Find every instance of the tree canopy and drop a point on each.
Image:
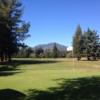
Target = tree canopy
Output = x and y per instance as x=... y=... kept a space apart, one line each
x=13 y=30
x=86 y=44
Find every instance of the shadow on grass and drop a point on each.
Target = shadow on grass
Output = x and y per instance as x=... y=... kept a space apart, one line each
x=27 y=62
x=16 y=63
x=6 y=70
x=9 y=94
x=11 y=68
x=74 y=89
x=4 y=73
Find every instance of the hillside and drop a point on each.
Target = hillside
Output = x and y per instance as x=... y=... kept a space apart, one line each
x=50 y=46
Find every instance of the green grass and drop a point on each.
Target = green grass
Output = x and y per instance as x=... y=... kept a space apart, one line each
x=42 y=74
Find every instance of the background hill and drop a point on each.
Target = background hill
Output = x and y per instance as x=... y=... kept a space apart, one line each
x=50 y=46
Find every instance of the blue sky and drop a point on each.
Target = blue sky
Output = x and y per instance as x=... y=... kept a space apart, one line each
x=56 y=20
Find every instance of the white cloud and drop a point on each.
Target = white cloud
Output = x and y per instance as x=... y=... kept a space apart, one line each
x=70 y=48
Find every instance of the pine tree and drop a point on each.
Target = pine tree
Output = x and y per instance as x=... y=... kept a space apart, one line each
x=91 y=47
x=55 y=51
x=39 y=52
x=77 y=43
x=12 y=29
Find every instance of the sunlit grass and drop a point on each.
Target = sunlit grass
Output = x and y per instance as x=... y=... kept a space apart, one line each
x=45 y=75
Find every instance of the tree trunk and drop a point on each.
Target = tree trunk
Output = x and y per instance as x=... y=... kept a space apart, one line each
x=9 y=58
x=88 y=58
x=2 y=57
x=94 y=57
x=78 y=58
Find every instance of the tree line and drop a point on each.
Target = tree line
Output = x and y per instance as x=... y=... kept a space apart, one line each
x=27 y=52
x=86 y=44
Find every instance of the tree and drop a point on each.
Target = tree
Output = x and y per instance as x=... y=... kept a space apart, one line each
x=98 y=51
x=91 y=41
x=39 y=52
x=29 y=51
x=48 y=53
x=24 y=51
x=13 y=30
x=77 y=43
x=55 y=51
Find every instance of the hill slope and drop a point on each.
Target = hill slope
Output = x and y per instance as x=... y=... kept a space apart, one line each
x=50 y=46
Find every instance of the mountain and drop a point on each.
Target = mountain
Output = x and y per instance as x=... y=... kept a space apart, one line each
x=50 y=46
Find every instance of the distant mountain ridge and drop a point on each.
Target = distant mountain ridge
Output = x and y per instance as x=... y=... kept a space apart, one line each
x=50 y=46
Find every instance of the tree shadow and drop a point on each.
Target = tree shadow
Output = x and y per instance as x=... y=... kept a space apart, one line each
x=15 y=63
x=6 y=70
x=73 y=89
x=9 y=94
x=7 y=73
x=11 y=68
x=27 y=62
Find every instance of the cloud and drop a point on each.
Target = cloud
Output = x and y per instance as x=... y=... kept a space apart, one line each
x=70 y=48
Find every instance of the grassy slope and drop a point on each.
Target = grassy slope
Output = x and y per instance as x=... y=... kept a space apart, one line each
x=45 y=75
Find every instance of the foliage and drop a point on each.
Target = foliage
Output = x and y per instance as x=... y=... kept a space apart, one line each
x=24 y=51
x=13 y=30
x=69 y=54
x=39 y=53
x=91 y=47
x=55 y=51
x=77 y=42
x=86 y=44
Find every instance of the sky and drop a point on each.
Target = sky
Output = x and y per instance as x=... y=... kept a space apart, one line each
x=56 y=20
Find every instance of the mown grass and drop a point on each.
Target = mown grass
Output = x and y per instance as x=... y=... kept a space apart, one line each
x=41 y=74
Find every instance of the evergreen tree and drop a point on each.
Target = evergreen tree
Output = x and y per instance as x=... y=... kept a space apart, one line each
x=98 y=51
x=55 y=51
x=77 y=43
x=48 y=53
x=12 y=29
x=91 y=47
x=39 y=52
